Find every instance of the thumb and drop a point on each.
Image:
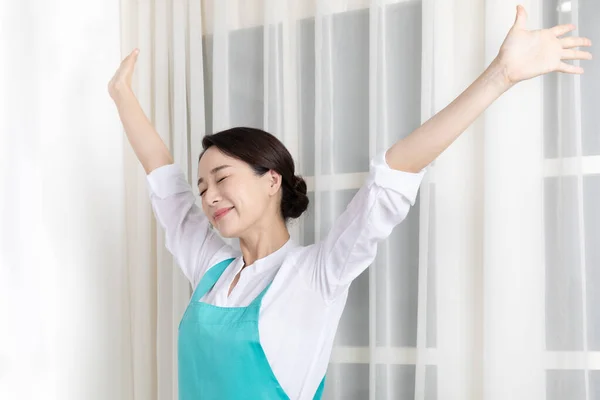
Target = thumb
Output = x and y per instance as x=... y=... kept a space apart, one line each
x=521 y=18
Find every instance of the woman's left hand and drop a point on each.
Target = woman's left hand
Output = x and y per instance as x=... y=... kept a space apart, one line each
x=527 y=54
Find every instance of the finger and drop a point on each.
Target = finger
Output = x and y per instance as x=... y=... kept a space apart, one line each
x=569 y=69
x=133 y=55
x=560 y=30
x=576 y=55
x=129 y=61
x=570 y=42
x=521 y=18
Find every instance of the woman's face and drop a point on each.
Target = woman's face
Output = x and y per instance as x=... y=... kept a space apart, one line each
x=234 y=197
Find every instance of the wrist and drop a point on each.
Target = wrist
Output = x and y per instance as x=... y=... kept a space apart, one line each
x=120 y=91
x=499 y=76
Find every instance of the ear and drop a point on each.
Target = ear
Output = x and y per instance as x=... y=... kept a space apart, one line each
x=274 y=182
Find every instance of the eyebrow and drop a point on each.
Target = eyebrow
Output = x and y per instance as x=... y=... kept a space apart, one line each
x=214 y=171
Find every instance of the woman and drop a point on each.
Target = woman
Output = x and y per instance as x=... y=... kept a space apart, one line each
x=260 y=325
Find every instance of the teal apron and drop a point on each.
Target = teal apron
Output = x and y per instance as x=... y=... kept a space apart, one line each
x=219 y=350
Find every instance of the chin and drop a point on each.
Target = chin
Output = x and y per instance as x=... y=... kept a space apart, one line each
x=228 y=235
x=228 y=231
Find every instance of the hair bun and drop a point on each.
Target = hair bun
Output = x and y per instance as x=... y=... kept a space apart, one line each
x=296 y=200
x=299 y=184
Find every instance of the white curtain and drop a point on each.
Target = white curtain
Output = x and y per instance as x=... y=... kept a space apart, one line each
x=486 y=291
x=64 y=297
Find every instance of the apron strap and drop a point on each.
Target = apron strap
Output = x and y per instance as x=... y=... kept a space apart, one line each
x=210 y=278
x=258 y=300
x=320 y=389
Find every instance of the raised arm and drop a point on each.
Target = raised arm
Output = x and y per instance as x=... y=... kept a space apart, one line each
x=145 y=141
x=523 y=55
x=384 y=201
x=188 y=235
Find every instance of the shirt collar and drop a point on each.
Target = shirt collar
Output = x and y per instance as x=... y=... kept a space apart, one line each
x=272 y=260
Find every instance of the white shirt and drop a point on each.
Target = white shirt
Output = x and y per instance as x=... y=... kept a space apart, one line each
x=300 y=312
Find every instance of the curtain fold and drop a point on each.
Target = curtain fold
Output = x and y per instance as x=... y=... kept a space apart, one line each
x=514 y=271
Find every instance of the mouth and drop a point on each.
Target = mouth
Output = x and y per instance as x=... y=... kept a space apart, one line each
x=221 y=213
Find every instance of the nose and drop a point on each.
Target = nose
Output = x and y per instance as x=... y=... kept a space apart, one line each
x=212 y=196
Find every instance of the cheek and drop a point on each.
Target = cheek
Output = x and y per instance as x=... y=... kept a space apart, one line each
x=248 y=198
x=232 y=193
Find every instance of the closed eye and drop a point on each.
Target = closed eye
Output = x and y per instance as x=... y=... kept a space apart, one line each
x=218 y=181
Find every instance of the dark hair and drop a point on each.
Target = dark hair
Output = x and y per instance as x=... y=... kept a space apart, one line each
x=264 y=152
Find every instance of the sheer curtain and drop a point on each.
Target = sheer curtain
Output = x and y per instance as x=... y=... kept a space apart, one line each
x=64 y=315
x=571 y=197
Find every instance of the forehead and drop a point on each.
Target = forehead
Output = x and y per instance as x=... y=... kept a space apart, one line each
x=212 y=158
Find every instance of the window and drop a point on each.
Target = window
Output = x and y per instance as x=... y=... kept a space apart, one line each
x=572 y=215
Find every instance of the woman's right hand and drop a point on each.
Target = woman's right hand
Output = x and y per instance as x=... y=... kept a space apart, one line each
x=122 y=78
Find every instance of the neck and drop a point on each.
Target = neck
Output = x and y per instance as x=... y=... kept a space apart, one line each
x=263 y=241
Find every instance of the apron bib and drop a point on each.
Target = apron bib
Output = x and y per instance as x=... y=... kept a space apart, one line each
x=219 y=352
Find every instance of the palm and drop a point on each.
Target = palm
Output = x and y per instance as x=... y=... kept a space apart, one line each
x=527 y=54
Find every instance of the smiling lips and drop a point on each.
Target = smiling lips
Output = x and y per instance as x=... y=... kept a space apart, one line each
x=220 y=213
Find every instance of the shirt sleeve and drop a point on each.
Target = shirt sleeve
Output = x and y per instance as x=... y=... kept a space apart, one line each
x=351 y=245
x=188 y=234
